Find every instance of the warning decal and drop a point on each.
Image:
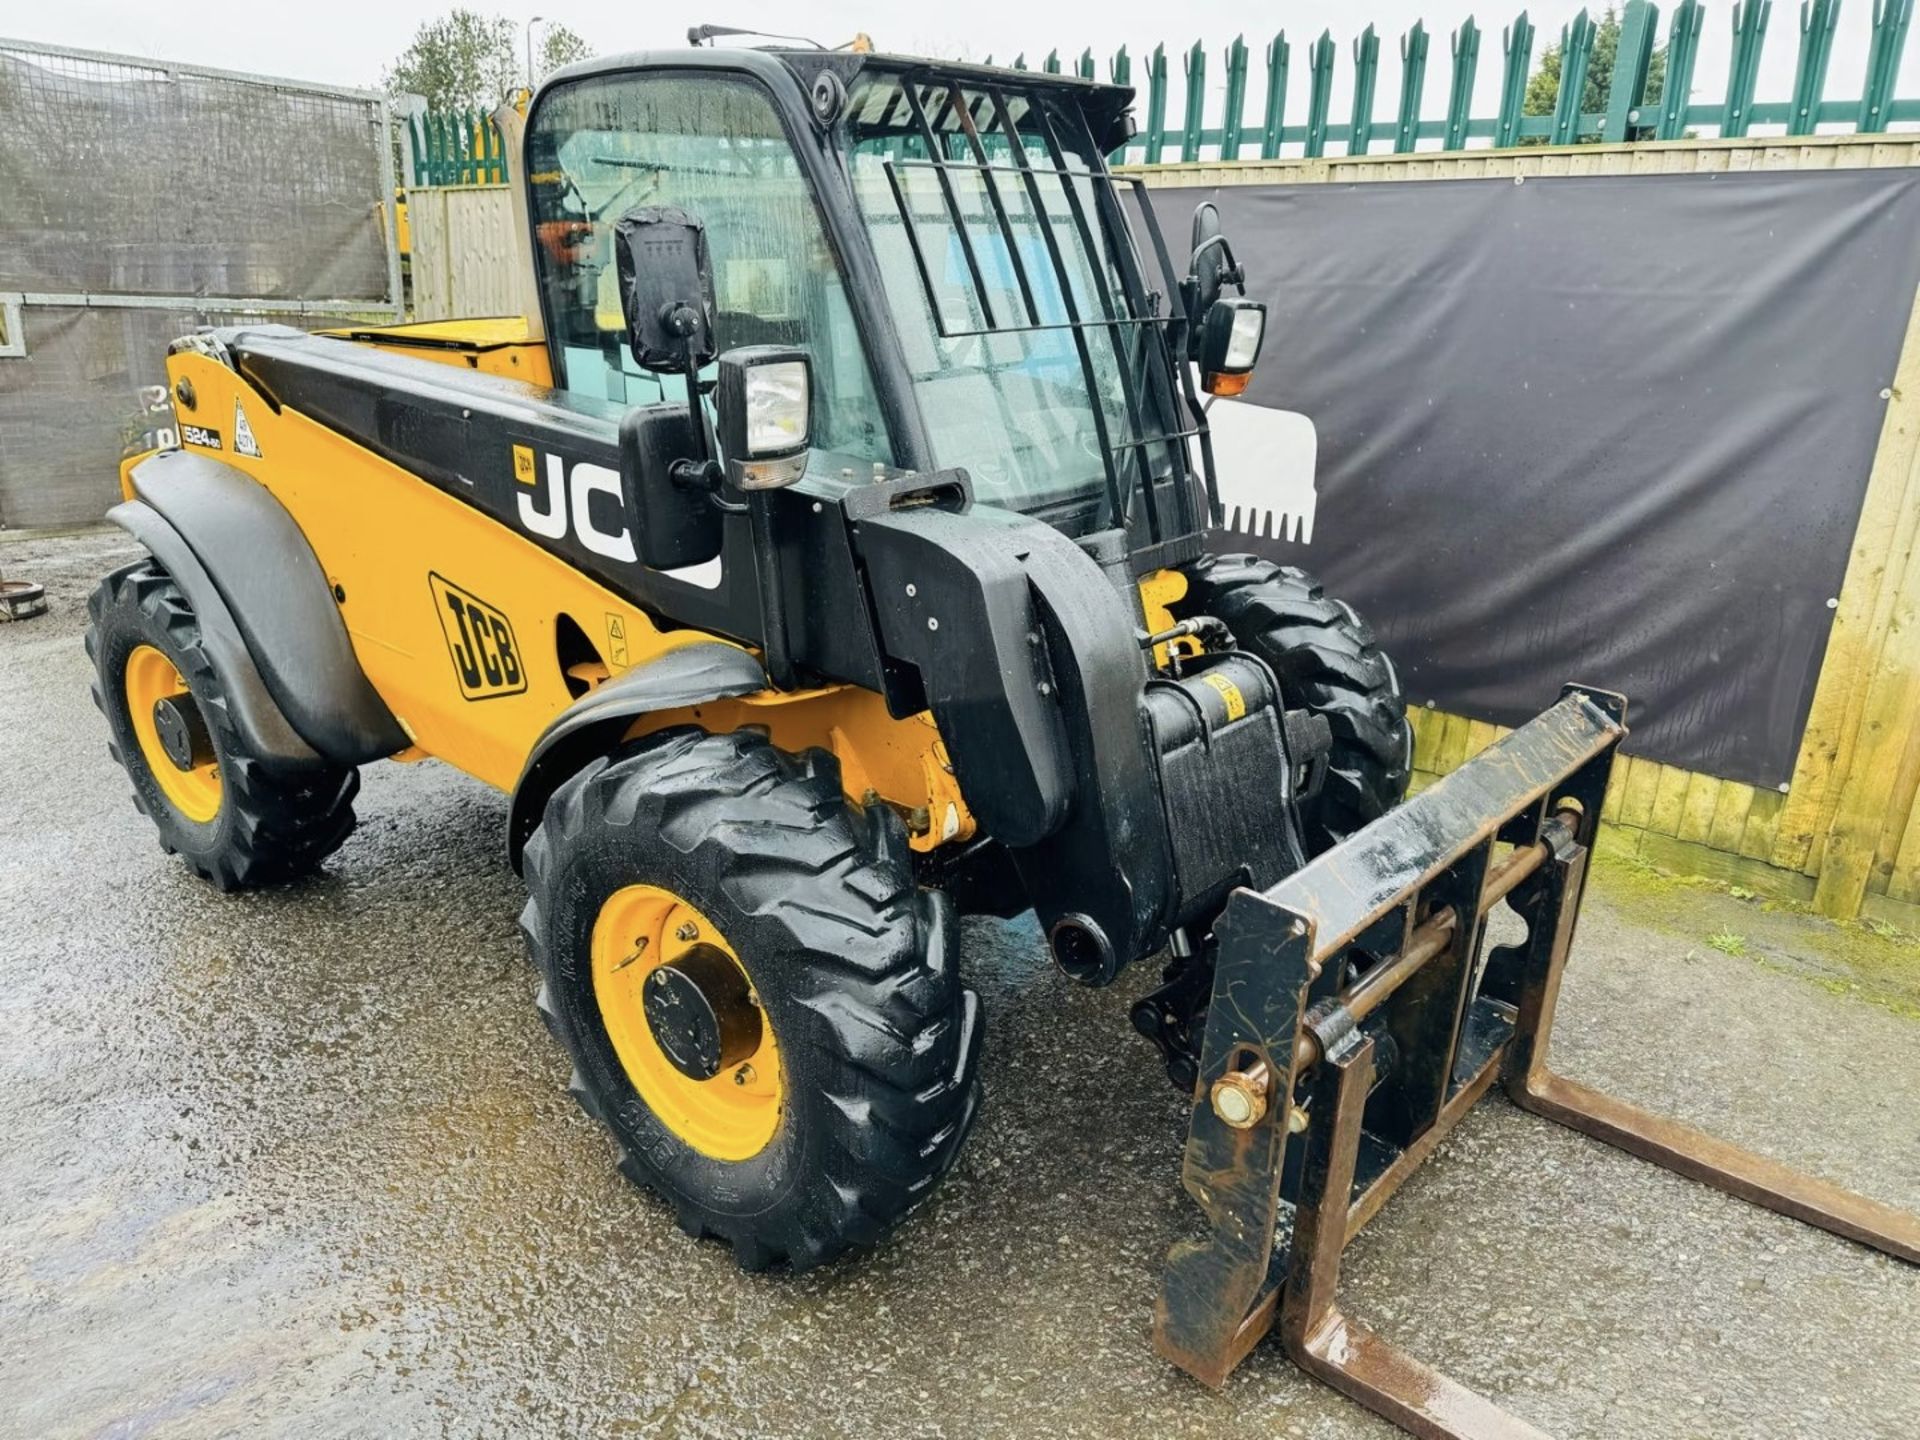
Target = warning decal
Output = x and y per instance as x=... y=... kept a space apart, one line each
x=243 y=441
x=1229 y=692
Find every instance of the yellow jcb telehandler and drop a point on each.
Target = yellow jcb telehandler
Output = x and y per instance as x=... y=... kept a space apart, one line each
x=821 y=555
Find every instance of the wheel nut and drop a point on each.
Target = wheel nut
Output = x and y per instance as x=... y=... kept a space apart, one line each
x=687 y=931
x=744 y=1075
x=1240 y=1096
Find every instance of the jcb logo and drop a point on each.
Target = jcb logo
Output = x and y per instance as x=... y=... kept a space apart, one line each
x=486 y=660
x=566 y=502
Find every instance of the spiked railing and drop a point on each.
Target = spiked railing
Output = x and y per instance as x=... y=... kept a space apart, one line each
x=1251 y=126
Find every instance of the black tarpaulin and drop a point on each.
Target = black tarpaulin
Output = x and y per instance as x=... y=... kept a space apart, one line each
x=1612 y=429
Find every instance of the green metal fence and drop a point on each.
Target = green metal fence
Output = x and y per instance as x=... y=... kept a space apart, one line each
x=463 y=147
x=459 y=147
x=1630 y=113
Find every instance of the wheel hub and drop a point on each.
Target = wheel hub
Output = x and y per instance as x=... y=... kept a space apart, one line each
x=701 y=1013
x=182 y=732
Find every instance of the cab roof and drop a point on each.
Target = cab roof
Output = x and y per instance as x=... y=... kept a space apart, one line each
x=1108 y=108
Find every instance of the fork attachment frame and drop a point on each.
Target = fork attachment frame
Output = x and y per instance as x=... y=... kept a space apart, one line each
x=1353 y=1024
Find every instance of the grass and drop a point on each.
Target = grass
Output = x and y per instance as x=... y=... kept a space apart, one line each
x=1728 y=943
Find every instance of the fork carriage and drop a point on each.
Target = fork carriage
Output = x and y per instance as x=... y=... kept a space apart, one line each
x=1354 y=1023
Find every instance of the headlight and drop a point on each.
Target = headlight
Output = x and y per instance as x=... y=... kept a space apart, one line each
x=1230 y=345
x=777 y=408
x=764 y=402
x=1243 y=345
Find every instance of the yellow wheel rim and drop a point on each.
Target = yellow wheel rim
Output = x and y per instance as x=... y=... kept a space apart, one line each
x=729 y=1117
x=150 y=678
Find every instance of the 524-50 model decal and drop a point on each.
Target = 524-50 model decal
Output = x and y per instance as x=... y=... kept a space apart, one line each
x=486 y=658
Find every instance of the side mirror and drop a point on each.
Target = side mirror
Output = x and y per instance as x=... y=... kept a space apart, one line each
x=1210 y=270
x=666 y=288
x=1229 y=345
x=764 y=408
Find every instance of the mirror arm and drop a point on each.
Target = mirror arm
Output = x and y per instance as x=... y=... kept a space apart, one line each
x=703 y=472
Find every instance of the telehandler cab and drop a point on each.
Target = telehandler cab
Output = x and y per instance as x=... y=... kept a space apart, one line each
x=822 y=554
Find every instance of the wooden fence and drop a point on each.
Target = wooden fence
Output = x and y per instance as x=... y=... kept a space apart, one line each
x=464 y=252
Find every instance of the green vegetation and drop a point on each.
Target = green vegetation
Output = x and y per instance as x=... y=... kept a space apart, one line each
x=1867 y=960
x=1543 y=87
x=468 y=61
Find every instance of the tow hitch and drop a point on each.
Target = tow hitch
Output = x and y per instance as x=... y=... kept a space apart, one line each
x=1354 y=1023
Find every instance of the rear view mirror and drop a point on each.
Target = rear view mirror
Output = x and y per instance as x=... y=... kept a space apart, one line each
x=666 y=288
x=1210 y=270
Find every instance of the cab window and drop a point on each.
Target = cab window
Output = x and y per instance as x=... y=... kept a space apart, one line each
x=713 y=146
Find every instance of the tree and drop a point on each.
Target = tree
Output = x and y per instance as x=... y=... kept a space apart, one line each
x=559 y=46
x=1543 y=89
x=469 y=61
x=462 y=61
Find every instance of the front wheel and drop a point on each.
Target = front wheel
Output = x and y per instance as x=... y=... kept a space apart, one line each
x=1328 y=663
x=760 y=1004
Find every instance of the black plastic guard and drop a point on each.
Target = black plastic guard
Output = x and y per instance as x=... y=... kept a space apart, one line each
x=254 y=712
x=692 y=674
x=278 y=596
x=1031 y=665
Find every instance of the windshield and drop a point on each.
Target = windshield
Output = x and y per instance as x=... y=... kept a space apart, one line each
x=1007 y=286
x=714 y=146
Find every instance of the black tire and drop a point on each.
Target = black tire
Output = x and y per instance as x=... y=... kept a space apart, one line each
x=272 y=824
x=1328 y=663
x=854 y=966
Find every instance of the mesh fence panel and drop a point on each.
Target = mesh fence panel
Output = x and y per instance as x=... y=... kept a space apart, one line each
x=124 y=178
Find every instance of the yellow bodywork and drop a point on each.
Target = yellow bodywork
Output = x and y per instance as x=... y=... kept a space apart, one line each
x=494 y=345
x=396 y=551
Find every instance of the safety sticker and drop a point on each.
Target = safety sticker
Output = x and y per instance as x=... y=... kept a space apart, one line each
x=200 y=435
x=243 y=441
x=616 y=642
x=1229 y=692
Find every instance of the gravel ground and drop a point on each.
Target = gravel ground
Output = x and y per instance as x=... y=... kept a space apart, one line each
x=300 y=1163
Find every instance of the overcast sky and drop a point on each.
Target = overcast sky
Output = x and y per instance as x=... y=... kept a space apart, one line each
x=349 y=41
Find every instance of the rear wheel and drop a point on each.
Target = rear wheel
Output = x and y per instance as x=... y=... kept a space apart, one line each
x=236 y=820
x=1327 y=662
x=760 y=1004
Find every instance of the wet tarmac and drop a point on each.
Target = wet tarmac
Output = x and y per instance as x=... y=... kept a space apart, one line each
x=301 y=1163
